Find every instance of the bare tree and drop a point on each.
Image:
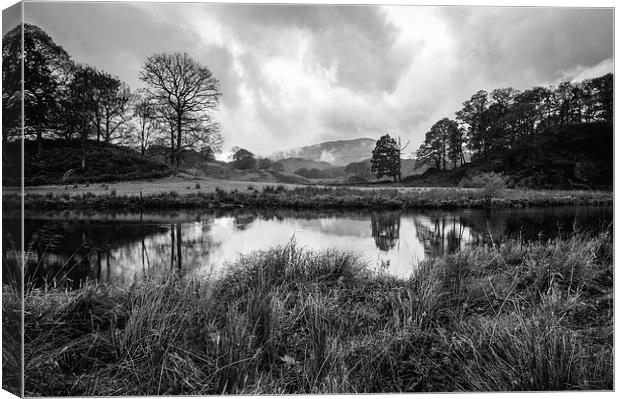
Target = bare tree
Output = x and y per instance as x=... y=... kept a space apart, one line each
x=145 y=114
x=186 y=90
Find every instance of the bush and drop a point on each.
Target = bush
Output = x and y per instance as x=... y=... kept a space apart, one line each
x=492 y=183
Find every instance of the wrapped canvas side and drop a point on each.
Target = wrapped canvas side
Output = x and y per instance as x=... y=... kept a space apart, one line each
x=12 y=176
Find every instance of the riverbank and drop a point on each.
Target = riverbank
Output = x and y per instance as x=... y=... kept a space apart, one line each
x=523 y=316
x=308 y=197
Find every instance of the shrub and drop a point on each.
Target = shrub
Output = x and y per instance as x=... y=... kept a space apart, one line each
x=492 y=183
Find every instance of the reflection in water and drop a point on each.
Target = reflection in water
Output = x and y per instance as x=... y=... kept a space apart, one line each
x=70 y=248
x=385 y=229
x=441 y=235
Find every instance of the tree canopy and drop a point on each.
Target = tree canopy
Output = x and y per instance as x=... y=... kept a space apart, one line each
x=185 y=93
x=243 y=159
x=46 y=67
x=385 y=159
x=504 y=118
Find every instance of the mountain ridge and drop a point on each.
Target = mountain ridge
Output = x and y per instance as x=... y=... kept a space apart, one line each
x=335 y=152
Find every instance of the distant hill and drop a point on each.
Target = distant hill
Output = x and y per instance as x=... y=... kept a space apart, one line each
x=337 y=153
x=291 y=165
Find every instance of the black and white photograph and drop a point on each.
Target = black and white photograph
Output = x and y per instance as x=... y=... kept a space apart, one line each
x=216 y=198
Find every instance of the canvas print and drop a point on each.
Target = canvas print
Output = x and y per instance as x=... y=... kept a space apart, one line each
x=213 y=198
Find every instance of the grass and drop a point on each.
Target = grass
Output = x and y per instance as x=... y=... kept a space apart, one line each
x=11 y=339
x=520 y=316
x=60 y=162
x=310 y=197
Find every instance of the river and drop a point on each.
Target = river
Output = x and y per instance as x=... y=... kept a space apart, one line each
x=72 y=247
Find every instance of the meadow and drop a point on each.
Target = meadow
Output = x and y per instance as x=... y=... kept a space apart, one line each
x=516 y=316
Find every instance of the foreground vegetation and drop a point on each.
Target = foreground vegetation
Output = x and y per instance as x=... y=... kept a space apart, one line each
x=521 y=316
x=310 y=197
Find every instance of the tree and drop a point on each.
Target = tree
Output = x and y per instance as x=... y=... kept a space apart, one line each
x=144 y=112
x=202 y=135
x=265 y=163
x=78 y=107
x=386 y=158
x=472 y=115
x=112 y=100
x=243 y=159
x=599 y=99
x=186 y=90
x=208 y=154
x=430 y=151
x=456 y=141
x=45 y=70
x=439 y=139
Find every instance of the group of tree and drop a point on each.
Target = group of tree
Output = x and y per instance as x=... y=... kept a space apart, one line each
x=246 y=160
x=67 y=100
x=497 y=121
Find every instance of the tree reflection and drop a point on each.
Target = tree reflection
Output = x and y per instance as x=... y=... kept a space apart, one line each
x=67 y=253
x=439 y=234
x=242 y=221
x=385 y=229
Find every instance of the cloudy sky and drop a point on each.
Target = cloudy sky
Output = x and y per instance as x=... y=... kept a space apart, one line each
x=297 y=75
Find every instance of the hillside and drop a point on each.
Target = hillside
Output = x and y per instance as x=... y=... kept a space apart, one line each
x=104 y=163
x=337 y=153
x=291 y=165
x=578 y=156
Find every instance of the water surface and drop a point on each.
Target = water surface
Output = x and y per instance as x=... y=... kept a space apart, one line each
x=116 y=247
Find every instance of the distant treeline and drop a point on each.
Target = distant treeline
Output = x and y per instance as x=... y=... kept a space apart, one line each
x=507 y=123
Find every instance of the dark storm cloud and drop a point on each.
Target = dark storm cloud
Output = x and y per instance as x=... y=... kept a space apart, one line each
x=297 y=74
x=117 y=37
x=544 y=42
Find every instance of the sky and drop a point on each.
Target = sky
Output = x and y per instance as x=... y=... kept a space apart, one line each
x=293 y=75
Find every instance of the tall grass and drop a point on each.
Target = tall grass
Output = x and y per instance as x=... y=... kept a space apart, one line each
x=11 y=315
x=517 y=316
x=317 y=198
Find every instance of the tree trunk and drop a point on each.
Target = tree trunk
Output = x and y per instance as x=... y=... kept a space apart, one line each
x=171 y=145
x=178 y=139
x=83 y=153
x=142 y=143
x=107 y=131
x=39 y=142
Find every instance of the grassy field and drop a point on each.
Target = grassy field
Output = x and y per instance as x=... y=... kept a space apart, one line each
x=177 y=193
x=523 y=316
